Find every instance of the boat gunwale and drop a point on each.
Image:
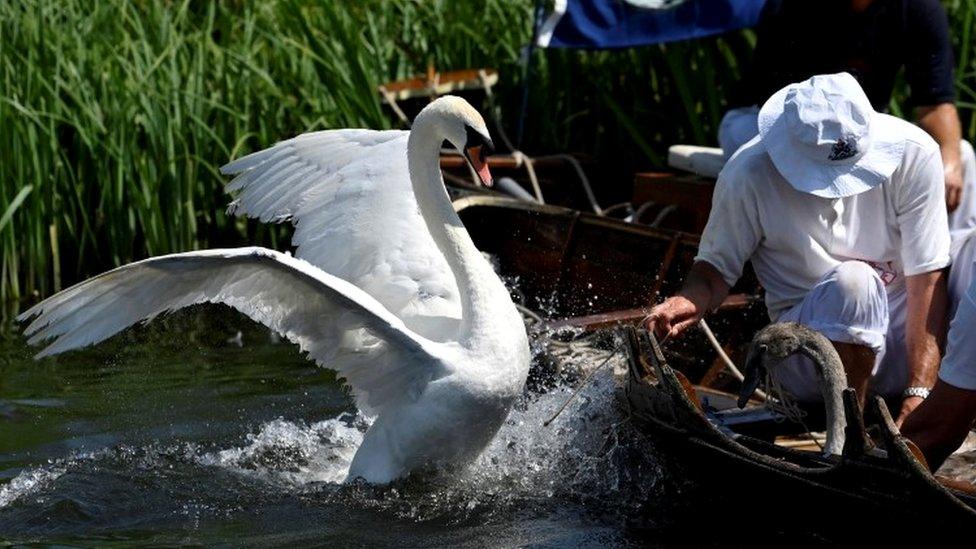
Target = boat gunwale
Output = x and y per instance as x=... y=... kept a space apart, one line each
x=474 y=200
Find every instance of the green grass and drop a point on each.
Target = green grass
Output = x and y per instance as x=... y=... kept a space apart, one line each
x=115 y=115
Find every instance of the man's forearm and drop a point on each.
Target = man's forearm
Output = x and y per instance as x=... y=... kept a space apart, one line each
x=925 y=326
x=705 y=287
x=942 y=123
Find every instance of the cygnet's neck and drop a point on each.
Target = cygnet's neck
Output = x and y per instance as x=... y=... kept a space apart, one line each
x=449 y=234
x=832 y=384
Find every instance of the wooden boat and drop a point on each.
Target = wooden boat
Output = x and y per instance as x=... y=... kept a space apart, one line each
x=734 y=449
x=592 y=272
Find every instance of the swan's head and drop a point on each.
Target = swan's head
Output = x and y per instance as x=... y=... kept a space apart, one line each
x=464 y=128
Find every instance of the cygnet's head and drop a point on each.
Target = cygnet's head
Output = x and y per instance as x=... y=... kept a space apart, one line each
x=464 y=128
x=776 y=342
x=771 y=346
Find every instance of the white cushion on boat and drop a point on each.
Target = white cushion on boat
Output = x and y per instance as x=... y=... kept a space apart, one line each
x=704 y=161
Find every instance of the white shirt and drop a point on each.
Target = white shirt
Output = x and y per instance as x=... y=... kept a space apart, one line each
x=793 y=238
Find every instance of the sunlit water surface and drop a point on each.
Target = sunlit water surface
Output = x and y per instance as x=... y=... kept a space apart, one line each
x=174 y=433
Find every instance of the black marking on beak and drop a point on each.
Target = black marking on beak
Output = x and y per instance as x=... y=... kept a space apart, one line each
x=475 y=139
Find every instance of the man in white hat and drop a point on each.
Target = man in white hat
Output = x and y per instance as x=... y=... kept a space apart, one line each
x=877 y=42
x=838 y=209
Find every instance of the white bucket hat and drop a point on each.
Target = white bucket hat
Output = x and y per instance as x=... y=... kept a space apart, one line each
x=826 y=140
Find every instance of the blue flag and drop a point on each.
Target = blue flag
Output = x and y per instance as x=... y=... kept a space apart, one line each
x=608 y=24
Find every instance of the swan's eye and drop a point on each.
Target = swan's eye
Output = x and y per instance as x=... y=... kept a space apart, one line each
x=473 y=139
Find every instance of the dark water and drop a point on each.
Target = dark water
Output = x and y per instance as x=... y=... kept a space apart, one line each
x=171 y=434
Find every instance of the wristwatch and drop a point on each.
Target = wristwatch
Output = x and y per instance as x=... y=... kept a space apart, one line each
x=921 y=392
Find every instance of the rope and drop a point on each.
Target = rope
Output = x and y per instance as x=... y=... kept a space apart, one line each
x=662 y=214
x=522 y=159
x=584 y=181
x=527 y=312
x=787 y=406
x=639 y=213
x=570 y=347
x=626 y=206
x=580 y=388
x=725 y=358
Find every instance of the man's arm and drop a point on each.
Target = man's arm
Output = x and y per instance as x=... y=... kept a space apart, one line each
x=704 y=290
x=929 y=71
x=942 y=123
x=731 y=236
x=940 y=424
x=925 y=328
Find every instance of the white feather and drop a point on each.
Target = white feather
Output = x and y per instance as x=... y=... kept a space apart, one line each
x=349 y=195
x=327 y=317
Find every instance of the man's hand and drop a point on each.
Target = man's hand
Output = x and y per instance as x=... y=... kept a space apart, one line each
x=672 y=317
x=703 y=290
x=953 y=186
x=908 y=406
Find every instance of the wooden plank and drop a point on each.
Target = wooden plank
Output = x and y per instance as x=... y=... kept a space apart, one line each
x=450 y=77
x=499 y=161
x=633 y=316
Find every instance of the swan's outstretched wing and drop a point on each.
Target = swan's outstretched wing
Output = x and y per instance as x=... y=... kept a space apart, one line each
x=339 y=325
x=349 y=195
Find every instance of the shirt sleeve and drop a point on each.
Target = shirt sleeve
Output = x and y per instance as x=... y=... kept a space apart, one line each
x=929 y=61
x=959 y=365
x=921 y=214
x=733 y=231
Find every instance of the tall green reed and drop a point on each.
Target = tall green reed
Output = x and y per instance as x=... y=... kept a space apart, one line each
x=115 y=115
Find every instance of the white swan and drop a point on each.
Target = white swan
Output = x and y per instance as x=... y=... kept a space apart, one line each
x=387 y=287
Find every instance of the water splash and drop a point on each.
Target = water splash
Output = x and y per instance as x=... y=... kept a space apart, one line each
x=579 y=453
x=588 y=454
x=294 y=453
x=36 y=480
x=30 y=481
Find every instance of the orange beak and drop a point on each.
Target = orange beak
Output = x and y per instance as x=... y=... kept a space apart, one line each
x=479 y=161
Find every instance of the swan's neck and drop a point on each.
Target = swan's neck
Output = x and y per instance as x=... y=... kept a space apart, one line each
x=471 y=272
x=832 y=384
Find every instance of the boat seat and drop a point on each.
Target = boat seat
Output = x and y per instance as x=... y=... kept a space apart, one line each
x=703 y=161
